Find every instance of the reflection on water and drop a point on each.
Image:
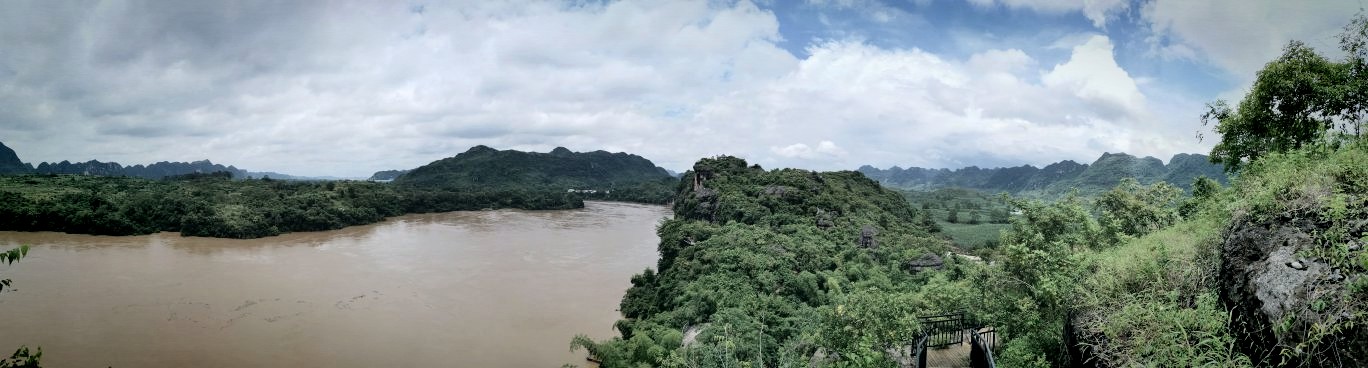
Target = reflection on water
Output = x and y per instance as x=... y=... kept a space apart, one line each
x=487 y=288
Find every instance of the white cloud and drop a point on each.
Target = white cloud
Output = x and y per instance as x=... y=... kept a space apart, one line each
x=1240 y=36
x=803 y=151
x=1093 y=76
x=1009 y=61
x=359 y=87
x=829 y=148
x=796 y=150
x=910 y=107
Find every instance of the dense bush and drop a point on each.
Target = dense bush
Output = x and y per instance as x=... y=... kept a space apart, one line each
x=216 y=206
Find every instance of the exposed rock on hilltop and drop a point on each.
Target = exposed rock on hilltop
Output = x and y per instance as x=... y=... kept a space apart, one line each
x=1274 y=290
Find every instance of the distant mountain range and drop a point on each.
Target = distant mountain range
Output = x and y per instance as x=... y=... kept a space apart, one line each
x=1054 y=179
x=10 y=164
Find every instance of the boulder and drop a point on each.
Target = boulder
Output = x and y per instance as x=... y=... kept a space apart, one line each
x=925 y=262
x=867 y=235
x=1266 y=282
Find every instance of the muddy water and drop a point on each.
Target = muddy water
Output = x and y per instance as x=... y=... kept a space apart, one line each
x=464 y=289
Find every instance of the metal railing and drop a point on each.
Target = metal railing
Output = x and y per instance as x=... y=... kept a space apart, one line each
x=920 y=350
x=944 y=330
x=952 y=329
x=981 y=345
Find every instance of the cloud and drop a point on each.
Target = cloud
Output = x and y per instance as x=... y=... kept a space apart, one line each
x=911 y=107
x=1092 y=75
x=354 y=87
x=1240 y=36
x=803 y=151
x=364 y=81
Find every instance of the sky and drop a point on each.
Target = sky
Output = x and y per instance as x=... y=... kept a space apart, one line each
x=347 y=88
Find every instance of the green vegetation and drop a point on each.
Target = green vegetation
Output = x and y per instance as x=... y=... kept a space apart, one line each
x=772 y=268
x=387 y=174
x=1268 y=272
x=767 y=268
x=1296 y=100
x=8 y=258
x=974 y=236
x=598 y=174
x=777 y=268
x=1153 y=300
x=22 y=357
x=1176 y=296
x=213 y=205
x=978 y=218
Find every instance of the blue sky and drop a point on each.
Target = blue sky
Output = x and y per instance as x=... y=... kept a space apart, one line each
x=352 y=87
x=959 y=29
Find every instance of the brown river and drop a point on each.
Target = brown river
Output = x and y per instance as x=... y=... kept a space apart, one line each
x=502 y=288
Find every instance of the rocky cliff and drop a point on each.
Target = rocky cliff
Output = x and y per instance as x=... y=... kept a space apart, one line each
x=1282 y=298
x=9 y=162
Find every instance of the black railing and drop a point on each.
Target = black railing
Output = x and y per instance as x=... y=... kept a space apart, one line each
x=952 y=329
x=944 y=330
x=981 y=345
x=920 y=350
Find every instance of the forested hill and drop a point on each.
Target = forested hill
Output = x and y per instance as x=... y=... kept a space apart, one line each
x=1057 y=178
x=560 y=170
x=767 y=267
x=384 y=175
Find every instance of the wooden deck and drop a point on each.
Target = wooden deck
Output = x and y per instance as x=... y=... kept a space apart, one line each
x=956 y=355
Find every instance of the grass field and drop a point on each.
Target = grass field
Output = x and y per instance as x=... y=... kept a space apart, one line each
x=969 y=237
x=979 y=216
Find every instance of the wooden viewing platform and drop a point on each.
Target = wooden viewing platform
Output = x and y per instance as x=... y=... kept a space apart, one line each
x=952 y=356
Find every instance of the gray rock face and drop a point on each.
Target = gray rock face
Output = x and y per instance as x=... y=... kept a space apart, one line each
x=925 y=262
x=1265 y=282
x=691 y=333
x=1282 y=282
x=867 y=237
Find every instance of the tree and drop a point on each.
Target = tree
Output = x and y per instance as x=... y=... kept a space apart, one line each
x=1135 y=210
x=22 y=357
x=8 y=258
x=1354 y=42
x=953 y=216
x=1203 y=188
x=1297 y=99
x=1041 y=262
